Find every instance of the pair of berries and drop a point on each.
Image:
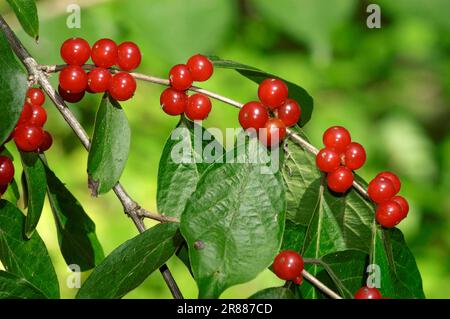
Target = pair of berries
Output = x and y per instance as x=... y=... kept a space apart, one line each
x=391 y=209
x=339 y=158
x=174 y=100
x=368 y=293
x=273 y=96
x=105 y=53
x=288 y=265
x=28 y=134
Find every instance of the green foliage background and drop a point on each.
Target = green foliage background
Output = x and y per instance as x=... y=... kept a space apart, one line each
x=389 y=86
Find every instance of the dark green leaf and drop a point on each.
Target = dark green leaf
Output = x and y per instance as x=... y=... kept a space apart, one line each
x=296 y=92
x=35 y=186
x=183 y=254
x=185 y=157
x=26 y=12
x=274 y=293
x=132 y=262
x=26 y=258
x=400 y=277
x=109 y=147
x=234 y=209
x=76 y=231
x=13 y=86
x=13 y=287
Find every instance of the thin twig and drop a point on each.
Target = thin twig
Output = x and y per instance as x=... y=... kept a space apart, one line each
x=153 y=79
x=316 y=282
x=35 y=71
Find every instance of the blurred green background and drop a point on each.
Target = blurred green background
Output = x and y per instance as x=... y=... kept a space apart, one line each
x=389 y=87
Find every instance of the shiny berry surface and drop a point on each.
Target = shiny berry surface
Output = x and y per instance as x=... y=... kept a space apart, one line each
x=340 y=180
x=73 y=79
x=381 y=189
x=38 y=116
x=337 y=137
x=99 y=80
x=28 y=138
x=25 y=116
x=393 y=178
x=289 y=112
x=273 y=93
x=355 y=156
x=368 y=293
x=253 y=115
x=200 y=67
x=198 y=107
x=35 y=96
x=75 y=51
x=288 y=265
x=6 y=170
x=128 y=56
x=328 y=160
x=173 y=102
x=180 y=77
x=122 y=86
x=104 y=53
x=403 y=204
x=70 y=97
x=389 y=214
x=46 y=142
x=273 y=132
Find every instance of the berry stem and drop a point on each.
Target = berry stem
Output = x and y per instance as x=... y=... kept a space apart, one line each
x=316 y=282
x=37 y=73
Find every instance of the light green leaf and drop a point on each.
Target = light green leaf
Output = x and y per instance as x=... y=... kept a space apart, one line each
x=26 y=12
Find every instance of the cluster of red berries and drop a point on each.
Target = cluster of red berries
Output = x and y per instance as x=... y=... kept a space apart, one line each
x=273 y=98
x=74 y=81
x=391 y=208
x=175 y=101
x=288 y=265
x=339 y=158
x=28 y=135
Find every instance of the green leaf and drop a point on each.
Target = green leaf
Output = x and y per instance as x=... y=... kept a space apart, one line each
x=400 y=277
x=132 y=262
x=296 y=92
x=274 y=293
x=13 y=287
x=235 y=208
x=109 y=147
x=13 y=86
x=77 y=239
x=34 y=173
x=185 y=157
x=26 y=12
x=26 y=258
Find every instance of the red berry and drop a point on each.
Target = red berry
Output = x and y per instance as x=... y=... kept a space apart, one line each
x=273 y=132
x=381 y=189
x=3 y=189
x=128 y=56
x=173 y=102
x=253 y=115
x=389 y=214
x=122 y=86
x=337 y=137
x=99 y=80
x=403 y=204
x=298 y=280
x=70 y=97
x=73 y=79
x=6 y=170
x=288 y=265
x=393 y=178
x=340 y=180
x=328 y=160
x=38 y=117
x=35 y=96
x=104 y=53
x=27 y=111
x=180 y=77
x=273 y=93
x=198 y=107
x=289 y=112
x=355 y=156
x=28 y=138
x=368 y=293
x=46 y=142
x=75 y=51
x=200 y=67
